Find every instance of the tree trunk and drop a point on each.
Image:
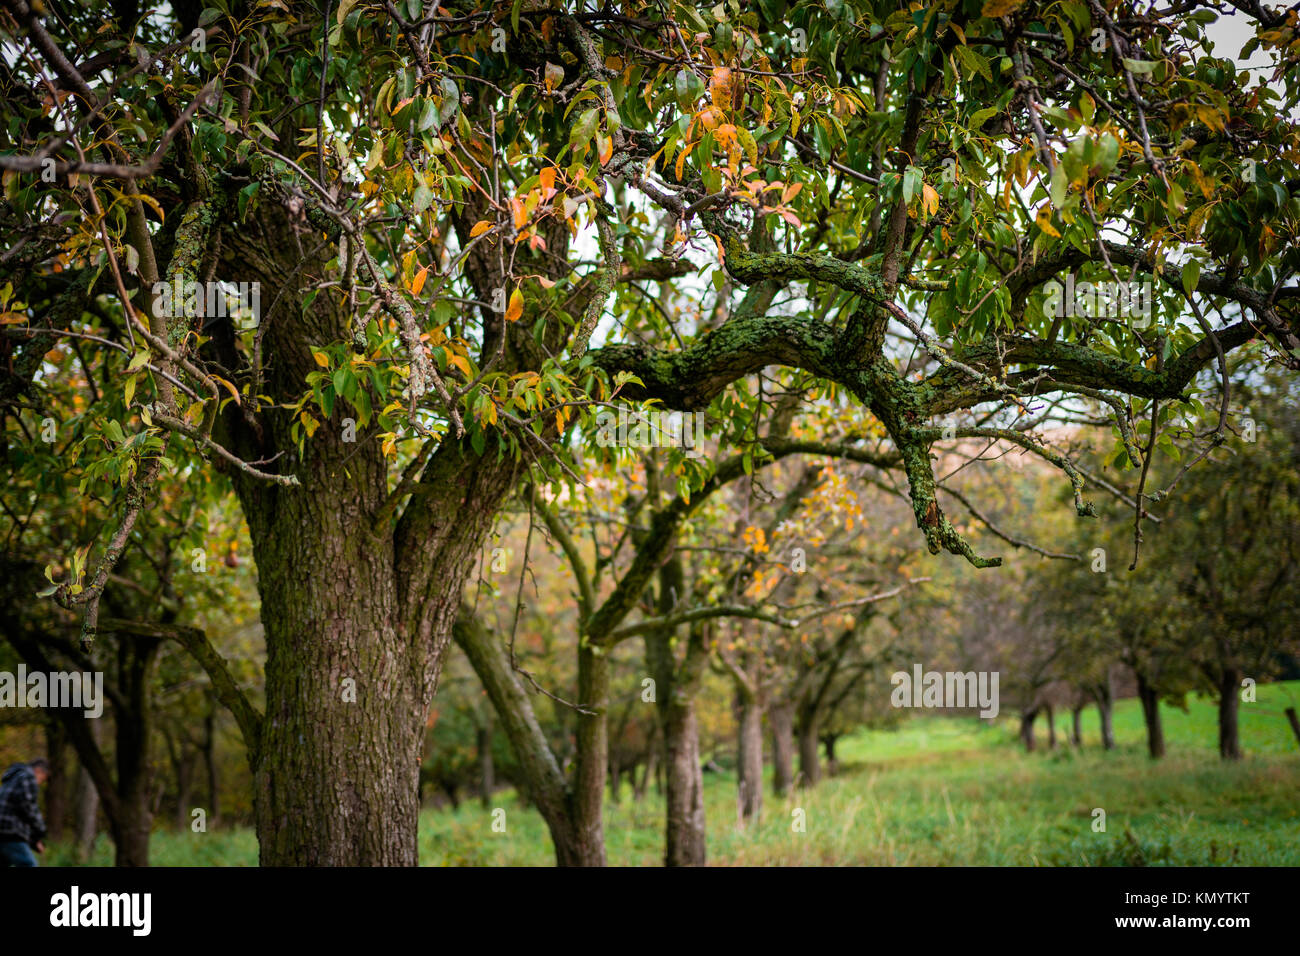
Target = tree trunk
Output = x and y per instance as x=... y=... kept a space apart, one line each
x=683 y=773
x=486 y=772
x=210 y=763
x=750 y=759
x=593 y=755
x=684 y=827
x=1027 y=719
x=781 y=718
x=615 y=778
x=810 y=771
x=56 y=787
x=85 y=814
x=647 y=771
x=132 y=823
x=832 y=765
x=1150 y=699
x=1105 y=710
x=1076 y=726
x=1051 y=728
x=543 y=781
x=1229 y=707
x=1295 y=722
x=184 y=788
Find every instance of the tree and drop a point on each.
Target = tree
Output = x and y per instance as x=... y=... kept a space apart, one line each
x=417 y=199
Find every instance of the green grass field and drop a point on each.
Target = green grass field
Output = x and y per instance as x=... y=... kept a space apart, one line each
x=938 y=791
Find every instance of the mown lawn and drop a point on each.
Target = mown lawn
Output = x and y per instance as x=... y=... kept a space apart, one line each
x=938 y=791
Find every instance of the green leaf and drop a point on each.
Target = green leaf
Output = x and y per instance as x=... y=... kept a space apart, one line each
x=974 y=62
x=1087 y=106
x=1191 y=275
x=246 y=194
x=1060 y=186
x=423 y=198
x=912 y=178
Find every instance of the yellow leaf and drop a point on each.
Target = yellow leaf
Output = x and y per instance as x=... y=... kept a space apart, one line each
x=1044 y=222
x=1000 y=8
x=461 y=363
x=681 y=160
x=516 y=307
x=479 y=228
x=418 y=282
x=233 y=392
x=929 y=199
x=321 y=359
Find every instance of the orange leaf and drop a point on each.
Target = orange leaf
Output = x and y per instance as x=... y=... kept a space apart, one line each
x=479 y=228
x=516 y=307
x=418 y=282
x=720 y=87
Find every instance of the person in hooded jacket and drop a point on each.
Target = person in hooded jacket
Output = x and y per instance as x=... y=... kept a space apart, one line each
x=22 y=828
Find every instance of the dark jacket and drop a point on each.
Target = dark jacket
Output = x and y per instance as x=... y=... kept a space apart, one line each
x=20 y=812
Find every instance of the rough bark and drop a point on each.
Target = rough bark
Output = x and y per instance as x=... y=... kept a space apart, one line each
x=357 y=605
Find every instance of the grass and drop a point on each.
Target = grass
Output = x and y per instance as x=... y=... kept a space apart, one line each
x=938 y=791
